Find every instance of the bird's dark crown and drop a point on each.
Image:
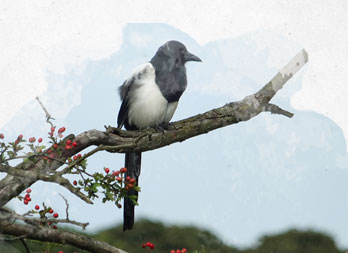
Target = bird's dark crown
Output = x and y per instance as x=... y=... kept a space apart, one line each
x=173 y=54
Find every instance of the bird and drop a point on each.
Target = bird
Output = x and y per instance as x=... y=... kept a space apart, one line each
x=149 y=99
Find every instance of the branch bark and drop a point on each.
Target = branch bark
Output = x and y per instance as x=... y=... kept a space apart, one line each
x=56 y=236
x=119 y=141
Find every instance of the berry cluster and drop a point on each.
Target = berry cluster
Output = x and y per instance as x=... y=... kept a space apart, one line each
x=70 y=144
x=183 y=250
x=27 y=198
x=128 y=181
x=115 y=185
x=148 y=245
x=45 y=210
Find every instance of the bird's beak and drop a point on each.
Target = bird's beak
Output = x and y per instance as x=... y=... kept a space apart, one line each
x=191 y=57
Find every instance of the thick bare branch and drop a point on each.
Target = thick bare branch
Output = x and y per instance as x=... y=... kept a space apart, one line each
x=56 y=236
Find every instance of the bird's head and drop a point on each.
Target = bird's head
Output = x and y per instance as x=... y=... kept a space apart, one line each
x=173 y=54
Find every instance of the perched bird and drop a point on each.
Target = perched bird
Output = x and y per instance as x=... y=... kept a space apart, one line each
x=149 y=99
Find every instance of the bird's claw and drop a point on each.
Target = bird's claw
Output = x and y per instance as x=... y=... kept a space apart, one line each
x=163 y=127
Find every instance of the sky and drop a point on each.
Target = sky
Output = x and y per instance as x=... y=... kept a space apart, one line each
x=262 y=176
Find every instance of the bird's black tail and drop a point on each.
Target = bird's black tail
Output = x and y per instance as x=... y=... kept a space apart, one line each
x=133 y=165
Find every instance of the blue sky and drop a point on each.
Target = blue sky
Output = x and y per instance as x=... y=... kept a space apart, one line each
x=261 y=176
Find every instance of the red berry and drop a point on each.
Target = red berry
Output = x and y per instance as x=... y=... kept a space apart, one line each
x=119 y=179
x=2 y=136
x=53 y=129
x=26 y=202
x=132 y=181
x=37 y=207
x=55 y=215
x=69 y=160
x=28 y=190
x=128 y=178
x=68 y=142
x=55 y=227
x=148 y=244
x=39 y=140
x=32 y=139
x=29 y=199
x=61 y=130
x=107 y=170
x=27 y=195
x=172 y=251
x=51 y=134
x=75 y=158
x=178 y=251
x=152 y=246
x=55 y=146
x=184 y=250
x=123 y=170
x=79 y=156
x=115 y=173
x=51 y=210
x=20 y=137
x=144 y=245
x=67 y=147
x=130 y=186
x=75 y=182
x=74 y=143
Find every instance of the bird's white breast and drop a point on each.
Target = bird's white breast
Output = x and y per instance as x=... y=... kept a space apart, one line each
x=148 y=107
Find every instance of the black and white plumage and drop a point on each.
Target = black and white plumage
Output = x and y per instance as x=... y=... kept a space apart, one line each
x=149 y=99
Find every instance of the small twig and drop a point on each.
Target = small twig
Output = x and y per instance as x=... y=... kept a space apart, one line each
x=56 y=178
x=274 y=109
x=81 y=172
x=11 y=215
x=67 y=206
x=97 y=149
x=25 y=245
x=80 y=224
x=12 y=238
x=33 y=156
x=48 y=116
x=1 y=154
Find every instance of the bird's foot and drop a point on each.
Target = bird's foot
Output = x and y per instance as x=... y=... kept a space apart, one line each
x=110 y=129
x=163 y=127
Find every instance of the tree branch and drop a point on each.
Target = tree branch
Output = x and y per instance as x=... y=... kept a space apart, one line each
x=56 y=236
x=119 y=141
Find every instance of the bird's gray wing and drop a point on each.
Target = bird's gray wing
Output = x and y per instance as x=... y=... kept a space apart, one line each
x=126 y=89
x=123 y=112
